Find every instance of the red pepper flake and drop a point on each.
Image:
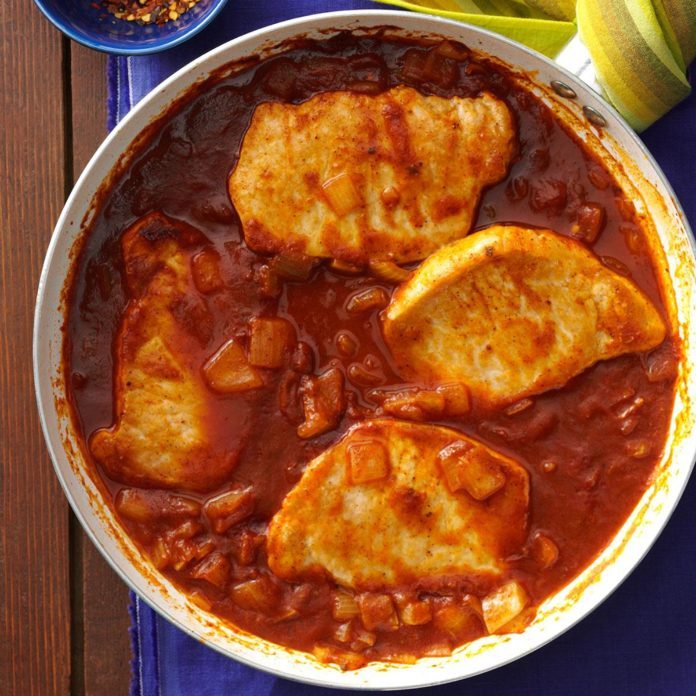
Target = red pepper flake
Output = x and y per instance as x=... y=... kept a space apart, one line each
x=147 y=11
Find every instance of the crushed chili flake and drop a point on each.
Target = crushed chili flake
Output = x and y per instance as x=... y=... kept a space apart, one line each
x=148 y=11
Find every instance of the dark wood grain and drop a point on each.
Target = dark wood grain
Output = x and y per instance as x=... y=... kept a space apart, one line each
x=88 y=98
x=34 y=567
x=103 y=652
x=106 y=647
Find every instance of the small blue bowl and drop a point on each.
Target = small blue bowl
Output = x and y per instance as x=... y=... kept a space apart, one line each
x=96 y=28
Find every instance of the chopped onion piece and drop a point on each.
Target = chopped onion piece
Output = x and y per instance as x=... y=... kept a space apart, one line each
x=661 y=366
x=367 y=461
x=377 y=612
x=260 y=594
x=453 y=50
x=365 y=87
x=630 y=409
x=345 y=267
x=367 y=300
x=412 y=69
x=615 y=265
x=360 y=375
x=344 y=606
x=345 y=659
x=415 y=404
x=438 y=650
x=183 y=552
x=303 y=358
x=389 y=271
x=518 y=407
x=152 y=505
x=229 y=508
x=590 y=222
x=228 y=370
x=215 y=569
x=205 y=269
x=323 y=402
x=439 y=69
x=346 y=343
x=200 y=600
x=247 y=543
x=270 y=339
x=639 y=449
x=503 y=605
x=472 y=469
x=457 y=399
x=343 y=632
x=543 y=551
x=203 y=548
x=286 y=614
x=341 y=194
x=459 y=619
x=363 y=638
x=293 y=266
x=402 y=658
x=160 y=554
x=413 y=611
x=268 y=280
x=187 y=530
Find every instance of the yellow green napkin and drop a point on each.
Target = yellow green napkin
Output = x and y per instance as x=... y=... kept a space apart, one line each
x=640 y=49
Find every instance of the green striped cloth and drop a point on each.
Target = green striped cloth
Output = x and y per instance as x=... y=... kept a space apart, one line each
x=640 y=49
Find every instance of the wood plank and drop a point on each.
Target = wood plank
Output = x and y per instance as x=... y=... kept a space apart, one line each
x=104 y=651
x=106 y=642
x=34 y=582
x=88 y=97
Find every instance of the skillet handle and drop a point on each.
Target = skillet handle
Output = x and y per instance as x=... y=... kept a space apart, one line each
x=575 y=58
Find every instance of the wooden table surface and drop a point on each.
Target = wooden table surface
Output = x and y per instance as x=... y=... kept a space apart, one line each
x=63 y=621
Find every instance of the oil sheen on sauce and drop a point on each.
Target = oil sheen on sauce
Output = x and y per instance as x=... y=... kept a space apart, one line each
x=579 y=443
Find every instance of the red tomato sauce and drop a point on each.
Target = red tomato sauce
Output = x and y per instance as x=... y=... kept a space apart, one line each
x=590 y=448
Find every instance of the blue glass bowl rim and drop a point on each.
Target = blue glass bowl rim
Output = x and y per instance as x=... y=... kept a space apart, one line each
x=106 y=47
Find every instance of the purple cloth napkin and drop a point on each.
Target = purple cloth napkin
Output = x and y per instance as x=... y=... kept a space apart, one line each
x=641 y=641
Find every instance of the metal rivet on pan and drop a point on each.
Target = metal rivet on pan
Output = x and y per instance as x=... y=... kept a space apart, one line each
x=563 y=90
x=594 y=117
